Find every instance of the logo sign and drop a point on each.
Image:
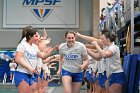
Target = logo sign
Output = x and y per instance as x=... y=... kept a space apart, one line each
x=41 y=13
x=41 y=8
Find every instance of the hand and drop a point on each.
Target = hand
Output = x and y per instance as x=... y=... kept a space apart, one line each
x=81 y=67
x=47 y=72
x=56 y=48
x=94 y=43
x=32 y=70
x=58 y=72
x=47 y=75
x=77 y=33
x=48 y=40
x=45 y=33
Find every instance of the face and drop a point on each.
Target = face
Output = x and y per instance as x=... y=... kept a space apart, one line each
x=104 y=40
x=36 y=38
x=70 y=39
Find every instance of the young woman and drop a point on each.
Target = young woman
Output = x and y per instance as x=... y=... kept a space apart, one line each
x=26 y=57
x=73 y=59
x=101 y=78
x=111 y=55
x=13 y=67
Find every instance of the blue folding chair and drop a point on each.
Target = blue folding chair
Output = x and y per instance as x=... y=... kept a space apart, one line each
x=132 y=75
x=126 y=67
x=137 y=79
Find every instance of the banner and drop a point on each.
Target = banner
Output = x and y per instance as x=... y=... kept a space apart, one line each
x=41 y=13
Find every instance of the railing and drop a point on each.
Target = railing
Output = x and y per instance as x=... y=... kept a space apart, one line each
x=113 y=17
x=115 y=20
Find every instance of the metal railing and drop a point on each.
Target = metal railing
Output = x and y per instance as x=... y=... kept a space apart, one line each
x=115 y=20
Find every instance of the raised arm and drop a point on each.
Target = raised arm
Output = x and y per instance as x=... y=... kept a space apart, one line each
x=89 y=38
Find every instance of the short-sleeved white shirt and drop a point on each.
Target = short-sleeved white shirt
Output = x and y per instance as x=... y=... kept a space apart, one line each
x=101 y=66
x=12 y=66
x=113 y=63
x=72 y=56
x=93 y=64
x=29 y=56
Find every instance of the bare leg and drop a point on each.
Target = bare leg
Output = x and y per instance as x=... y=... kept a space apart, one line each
x=67 y=83
x=76 y=87
x=44 y=86
x=99 y=89
x=34 y=88
x=106 y=86
x=39 y=86
x=23 y=87
x=115 y=88
x=11 y=76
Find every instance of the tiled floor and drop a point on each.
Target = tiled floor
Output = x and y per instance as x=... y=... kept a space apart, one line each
x=10 y=88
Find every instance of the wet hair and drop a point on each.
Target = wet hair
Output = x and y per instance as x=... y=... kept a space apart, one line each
x=71 y=32
x=104 y=30
x=108 y=34
x=30 y=33
x=25 y=29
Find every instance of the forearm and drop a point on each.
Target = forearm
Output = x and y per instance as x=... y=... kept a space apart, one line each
x=90 y=46
x=88 y=38
x=25 y=65
x=48 y=59
x=85 y=63
x=93 y=54
x=60 y=65
x=100 y=51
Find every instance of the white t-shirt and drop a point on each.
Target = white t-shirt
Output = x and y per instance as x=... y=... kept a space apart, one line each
x=72 y=56
x=113 y=63
x=29 y=56
x=12 y=66
x=92 y=64
x=101 y=65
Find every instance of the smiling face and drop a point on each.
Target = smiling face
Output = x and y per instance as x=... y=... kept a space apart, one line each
x=36 y=37
x=70 y=39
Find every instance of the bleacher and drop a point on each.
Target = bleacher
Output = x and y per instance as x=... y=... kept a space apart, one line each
x=5 y=58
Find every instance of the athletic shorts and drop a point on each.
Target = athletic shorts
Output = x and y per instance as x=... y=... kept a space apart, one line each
x=91 y=77
x=76 y=77
x=101 y=79
x=20 y=76
x=12 y=72
x=116 y=78
x=33 y=78
x=41 y=74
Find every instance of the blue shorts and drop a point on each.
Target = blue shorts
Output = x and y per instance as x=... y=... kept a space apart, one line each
x=90 y=77
x=76 y=77
x=12 y=72
x=41 y=74
x=117 y=78
x=33 y=78
x=101 y=79
x=20 y=76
